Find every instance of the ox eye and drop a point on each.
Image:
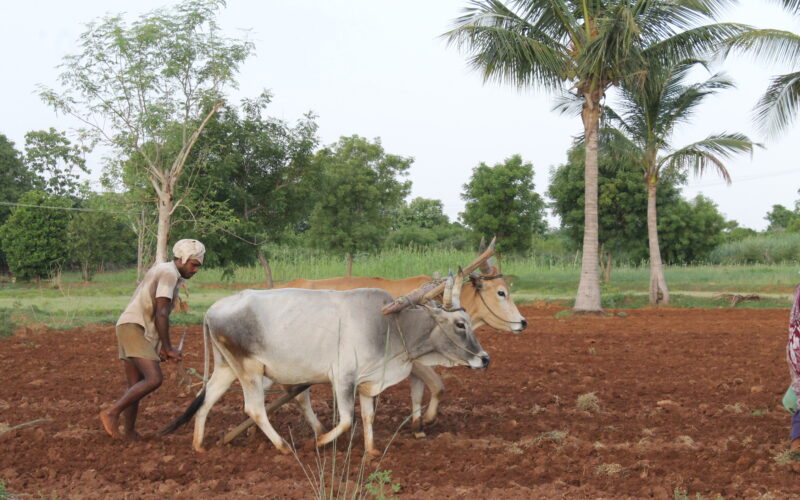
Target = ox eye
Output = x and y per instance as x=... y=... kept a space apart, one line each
x=501 y=293
x=461 y=325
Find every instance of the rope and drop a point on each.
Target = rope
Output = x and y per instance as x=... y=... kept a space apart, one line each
x=447 y=334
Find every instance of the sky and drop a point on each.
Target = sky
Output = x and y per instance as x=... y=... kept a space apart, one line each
x=380 y=69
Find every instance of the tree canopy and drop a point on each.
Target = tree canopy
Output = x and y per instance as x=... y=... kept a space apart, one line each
x=361 y=187
x=147 y=89
x=501 y=201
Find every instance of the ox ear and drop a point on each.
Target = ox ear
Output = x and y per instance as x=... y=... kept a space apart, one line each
x=488 y=264
x=476 y=281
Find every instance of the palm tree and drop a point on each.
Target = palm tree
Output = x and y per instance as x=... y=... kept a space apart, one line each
x=779 y=105
x=586 y=46
x=650 y=109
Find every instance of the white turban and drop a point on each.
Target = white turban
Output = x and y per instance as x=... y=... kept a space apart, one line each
x=189 y=249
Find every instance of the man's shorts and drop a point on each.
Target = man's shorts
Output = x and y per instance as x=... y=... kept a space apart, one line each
x=132 y=343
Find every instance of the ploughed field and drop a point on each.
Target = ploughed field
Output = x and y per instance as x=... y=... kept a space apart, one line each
x=685 y=398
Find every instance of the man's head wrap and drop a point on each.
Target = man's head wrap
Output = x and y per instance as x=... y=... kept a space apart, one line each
x=189 y=249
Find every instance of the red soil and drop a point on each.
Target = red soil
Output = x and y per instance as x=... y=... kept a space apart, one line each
x=687 y=399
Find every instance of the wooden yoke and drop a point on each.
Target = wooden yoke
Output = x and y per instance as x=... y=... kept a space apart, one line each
x=425 y=292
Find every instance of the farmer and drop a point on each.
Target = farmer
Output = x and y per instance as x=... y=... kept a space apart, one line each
x=143 y=334
x=793 y=357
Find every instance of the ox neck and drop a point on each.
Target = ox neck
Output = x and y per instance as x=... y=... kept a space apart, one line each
x=411 y=331
x=471 y=303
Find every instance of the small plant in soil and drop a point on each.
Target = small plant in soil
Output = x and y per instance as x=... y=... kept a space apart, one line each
x=788 y=457
x=379 y=483
x=588 y=402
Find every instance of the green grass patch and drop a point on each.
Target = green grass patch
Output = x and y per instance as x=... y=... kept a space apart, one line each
x=101 y=301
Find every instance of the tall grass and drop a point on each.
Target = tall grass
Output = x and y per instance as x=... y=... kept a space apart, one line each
x=769 y=248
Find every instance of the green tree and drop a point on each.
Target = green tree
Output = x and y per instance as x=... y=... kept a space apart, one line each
x=423 y=223
x=260 y=171
x=695 y=228
x=501 y=201
x=35 y=239
x=149 y=89
x=780 y=218
x=15 y=180
x=359 y=192
x=586 y=46
x=52 y=157
x=622 y=203
x=650 y=110
x=423 y=213
x=98 y=234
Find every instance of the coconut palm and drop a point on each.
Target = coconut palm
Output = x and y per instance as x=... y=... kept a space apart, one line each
x=779 y=105
x=649 y=111
x=586 y=46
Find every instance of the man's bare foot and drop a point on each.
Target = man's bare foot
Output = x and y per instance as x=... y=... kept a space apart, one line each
x=110 y=425
x=132 y=436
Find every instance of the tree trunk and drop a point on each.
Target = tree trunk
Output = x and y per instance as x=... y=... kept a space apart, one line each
x=349 y=265
x=588 y=297
x=267 y=269
x=165 y=202
x=659 y=293
x=140 y=250
x=85 y=271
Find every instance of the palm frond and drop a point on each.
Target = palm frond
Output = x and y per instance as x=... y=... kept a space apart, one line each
x=778 y=107
x=506 y=47
x=710 y=152
x=792 y=6
x=770 y=45
x=700 y=42
x=568 y=104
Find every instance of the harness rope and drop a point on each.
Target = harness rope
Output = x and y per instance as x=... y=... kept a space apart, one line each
x=447 y=334
x=480 y=295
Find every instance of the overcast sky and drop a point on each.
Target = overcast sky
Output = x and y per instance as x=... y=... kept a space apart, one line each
x=379 y=68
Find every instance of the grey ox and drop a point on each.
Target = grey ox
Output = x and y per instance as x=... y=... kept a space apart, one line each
x=300 y=337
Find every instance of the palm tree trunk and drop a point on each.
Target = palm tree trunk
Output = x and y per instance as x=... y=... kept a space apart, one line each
x=659 y=293
x=588 y=297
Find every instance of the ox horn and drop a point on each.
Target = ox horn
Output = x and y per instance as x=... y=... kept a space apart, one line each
x=447 y=297
x=486 y=265
x=482 y=245
x=456 y=295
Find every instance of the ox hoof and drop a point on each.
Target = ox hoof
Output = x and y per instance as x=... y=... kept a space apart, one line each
x=373 y=453
x=200 y=449
x=420 y=434
x=428 y=420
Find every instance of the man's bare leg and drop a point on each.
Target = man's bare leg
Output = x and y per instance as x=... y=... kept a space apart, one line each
x=129 y=414
x=151 y=379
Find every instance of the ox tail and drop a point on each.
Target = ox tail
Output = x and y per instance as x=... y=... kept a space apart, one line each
x=201 y=396
x=187 y=415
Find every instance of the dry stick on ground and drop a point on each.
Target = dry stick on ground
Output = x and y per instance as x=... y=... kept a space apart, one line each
x=428 y=293
x=735 y=298
x=274 y=405
x=32 y=422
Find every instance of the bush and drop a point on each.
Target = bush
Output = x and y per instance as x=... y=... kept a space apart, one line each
x=7 y=325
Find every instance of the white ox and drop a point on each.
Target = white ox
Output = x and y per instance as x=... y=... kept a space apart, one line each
x=299 y=337
x=487 y=300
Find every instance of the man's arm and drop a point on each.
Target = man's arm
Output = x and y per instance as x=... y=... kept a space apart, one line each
x=163 y=308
